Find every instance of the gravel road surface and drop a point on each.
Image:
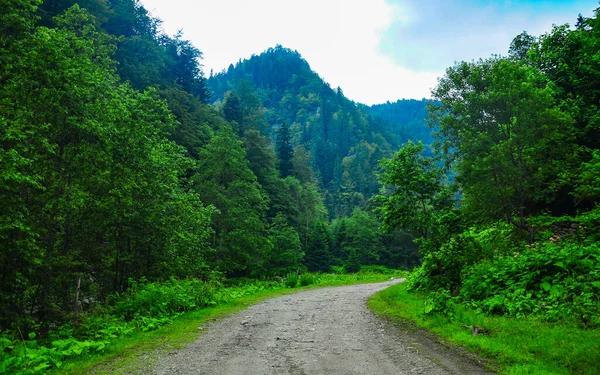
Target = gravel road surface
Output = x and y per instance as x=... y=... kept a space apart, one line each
x=320 y=331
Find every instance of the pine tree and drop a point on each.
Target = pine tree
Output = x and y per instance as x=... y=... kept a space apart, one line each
x=317 y=258
x=225 y=180
x=285 y=152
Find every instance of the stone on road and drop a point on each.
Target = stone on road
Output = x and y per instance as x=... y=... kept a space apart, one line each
x=319 y=331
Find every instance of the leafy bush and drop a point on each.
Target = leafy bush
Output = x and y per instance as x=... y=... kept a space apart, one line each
x=144 y=307
x=306 y=279
x=164 y=299
x=443 y=267
x=439 y=302
x=555 y=280
x=291 y=280
x=22 y=357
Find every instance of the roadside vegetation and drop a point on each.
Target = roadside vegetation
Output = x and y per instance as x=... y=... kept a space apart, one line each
x=133 y=323
x=516 y=346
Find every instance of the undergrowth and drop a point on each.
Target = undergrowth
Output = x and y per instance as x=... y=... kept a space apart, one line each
x=144 y=307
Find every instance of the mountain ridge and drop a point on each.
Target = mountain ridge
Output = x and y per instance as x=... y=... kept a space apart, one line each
x=345 y=139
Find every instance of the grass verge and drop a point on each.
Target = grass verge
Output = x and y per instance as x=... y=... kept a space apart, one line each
x=135 y=352
x=517 y=346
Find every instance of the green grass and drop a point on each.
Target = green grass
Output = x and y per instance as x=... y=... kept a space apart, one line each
x=517 y=346
x=133 y=352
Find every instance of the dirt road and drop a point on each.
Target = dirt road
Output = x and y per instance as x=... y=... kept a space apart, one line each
x=321 y=331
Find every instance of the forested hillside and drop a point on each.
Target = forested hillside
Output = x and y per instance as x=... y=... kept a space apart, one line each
x=406 y=119
x=115 y=167
x=343 y=140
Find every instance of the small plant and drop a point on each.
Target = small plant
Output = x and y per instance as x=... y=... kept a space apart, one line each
x=439 y=302
x=306 y=279
x=291 y=280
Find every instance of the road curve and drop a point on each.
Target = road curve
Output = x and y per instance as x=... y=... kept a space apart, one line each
x=320 y=331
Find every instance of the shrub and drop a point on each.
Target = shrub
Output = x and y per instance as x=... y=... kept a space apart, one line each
x=306 y=279
x=291 y=280
x=164 y=299
x=558 y=281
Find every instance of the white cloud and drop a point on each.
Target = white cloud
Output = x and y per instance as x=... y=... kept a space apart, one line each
x=340 y=39
x=375 y=50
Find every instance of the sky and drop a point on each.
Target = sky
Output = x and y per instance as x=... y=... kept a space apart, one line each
x=375 y=50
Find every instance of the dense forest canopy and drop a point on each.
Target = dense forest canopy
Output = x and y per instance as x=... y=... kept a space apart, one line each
x=344 y=140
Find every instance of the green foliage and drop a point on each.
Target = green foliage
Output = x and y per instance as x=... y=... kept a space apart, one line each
x=588 y=184
x=512 y=345
x=406 y=119
x=30 y=358
x=352 y=264
x=144 y=307
x=285 y=152
x=419 y=190
x=291 y=280
x=362 y=237
x=424 y=204
x=306 y=279
x=93 y=188
x=225 y=180
x=286 y=253
x=439 y=302
x=317 y=256
x=507 y=135
x=166 y=299
x=558 y=281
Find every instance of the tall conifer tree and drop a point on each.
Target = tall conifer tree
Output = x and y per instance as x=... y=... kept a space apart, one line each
x=285 y=152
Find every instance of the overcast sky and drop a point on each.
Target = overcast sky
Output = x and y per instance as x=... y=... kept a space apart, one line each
x=375 y=50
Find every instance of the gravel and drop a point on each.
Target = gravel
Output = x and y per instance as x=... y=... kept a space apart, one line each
x=320 y=331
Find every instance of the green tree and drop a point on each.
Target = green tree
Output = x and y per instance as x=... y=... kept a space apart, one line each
x=93 y=191
x=286 y=253
x=285 y=152
x=232 y=111
x=301 y=165
x=567 y=57
x=421 y=202
x=363 y=237
x=317 y=257
x=184 y=65
x=502 y=126
x=520 y=46
x=311 y=209
x=225 y=180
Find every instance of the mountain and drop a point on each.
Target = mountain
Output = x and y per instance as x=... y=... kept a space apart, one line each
x=406 y=118
x=345 y=140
